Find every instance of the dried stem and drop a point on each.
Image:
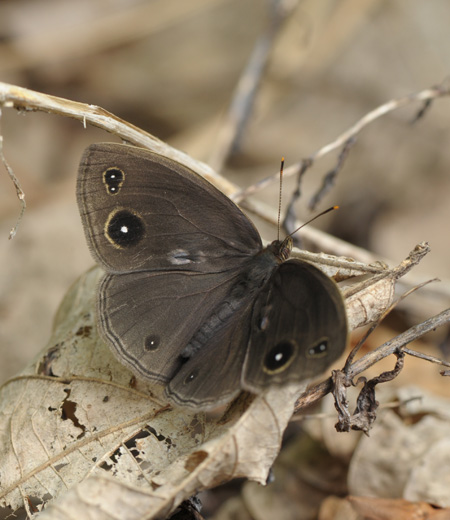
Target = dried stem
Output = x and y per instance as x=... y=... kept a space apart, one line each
x=234 y=123
x=347 y=136
x=12 y=96
x=19 y=192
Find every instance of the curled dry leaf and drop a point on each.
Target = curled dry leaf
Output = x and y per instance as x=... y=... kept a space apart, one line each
x=367 y=305
x=80 y=431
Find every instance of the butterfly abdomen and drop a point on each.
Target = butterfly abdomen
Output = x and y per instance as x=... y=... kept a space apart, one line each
x=211 y=326
x=242 y=294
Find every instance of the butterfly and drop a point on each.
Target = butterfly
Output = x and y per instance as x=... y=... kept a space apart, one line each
x=190 y=297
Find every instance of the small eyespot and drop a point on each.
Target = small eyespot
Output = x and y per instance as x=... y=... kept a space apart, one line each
x=151 y=342
x=113 y=179
x=193 y=375
x=318 y=350
x=124 y=228
x=279 y=357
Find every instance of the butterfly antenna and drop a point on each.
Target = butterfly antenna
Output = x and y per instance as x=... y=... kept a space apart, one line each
x=314 y=218
x=279 y=197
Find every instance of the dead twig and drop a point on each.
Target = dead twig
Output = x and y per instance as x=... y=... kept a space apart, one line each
x=329 y=179
x=20 y=98
x=349 y=134
x=235 y=121
x=19 y=192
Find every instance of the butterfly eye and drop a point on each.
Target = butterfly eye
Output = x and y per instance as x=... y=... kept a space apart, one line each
x=279 y=357
x=124 y=228
x=151 y=342
x=318 y=350
x=113 y=179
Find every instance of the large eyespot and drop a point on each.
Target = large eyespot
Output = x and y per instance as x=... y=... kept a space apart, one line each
x=318 y=350
x=124 y=228
x=151 y=342
x=113 y=179
x=279 y=357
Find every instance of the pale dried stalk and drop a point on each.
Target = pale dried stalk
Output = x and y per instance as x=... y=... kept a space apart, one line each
x=233 y=124
x=423 y=96
x=19 y=191
x=12 y=96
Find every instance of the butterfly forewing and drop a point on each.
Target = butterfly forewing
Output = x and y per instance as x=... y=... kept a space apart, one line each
x=142 y=211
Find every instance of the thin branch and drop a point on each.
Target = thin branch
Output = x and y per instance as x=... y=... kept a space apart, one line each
x=235 y=121
x=425 y=357
x=19 y=192
x=20 y=98
x=330 y=177
x=352 y=132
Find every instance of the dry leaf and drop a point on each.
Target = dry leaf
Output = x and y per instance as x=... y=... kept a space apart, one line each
x=79 y=431
x=368 y=305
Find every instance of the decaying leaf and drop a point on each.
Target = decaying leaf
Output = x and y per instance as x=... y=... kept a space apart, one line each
x=80 y=431
x=82 y=434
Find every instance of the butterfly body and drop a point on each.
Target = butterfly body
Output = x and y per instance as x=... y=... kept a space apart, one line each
x=190 y=297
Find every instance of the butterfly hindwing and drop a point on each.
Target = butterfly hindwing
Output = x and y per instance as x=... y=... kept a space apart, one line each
x=149 y=318
x=298 y=327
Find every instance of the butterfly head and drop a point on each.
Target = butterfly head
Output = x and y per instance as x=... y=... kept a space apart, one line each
x=282 y=248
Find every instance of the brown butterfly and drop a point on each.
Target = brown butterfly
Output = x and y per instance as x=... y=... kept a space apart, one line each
x=190 y=297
